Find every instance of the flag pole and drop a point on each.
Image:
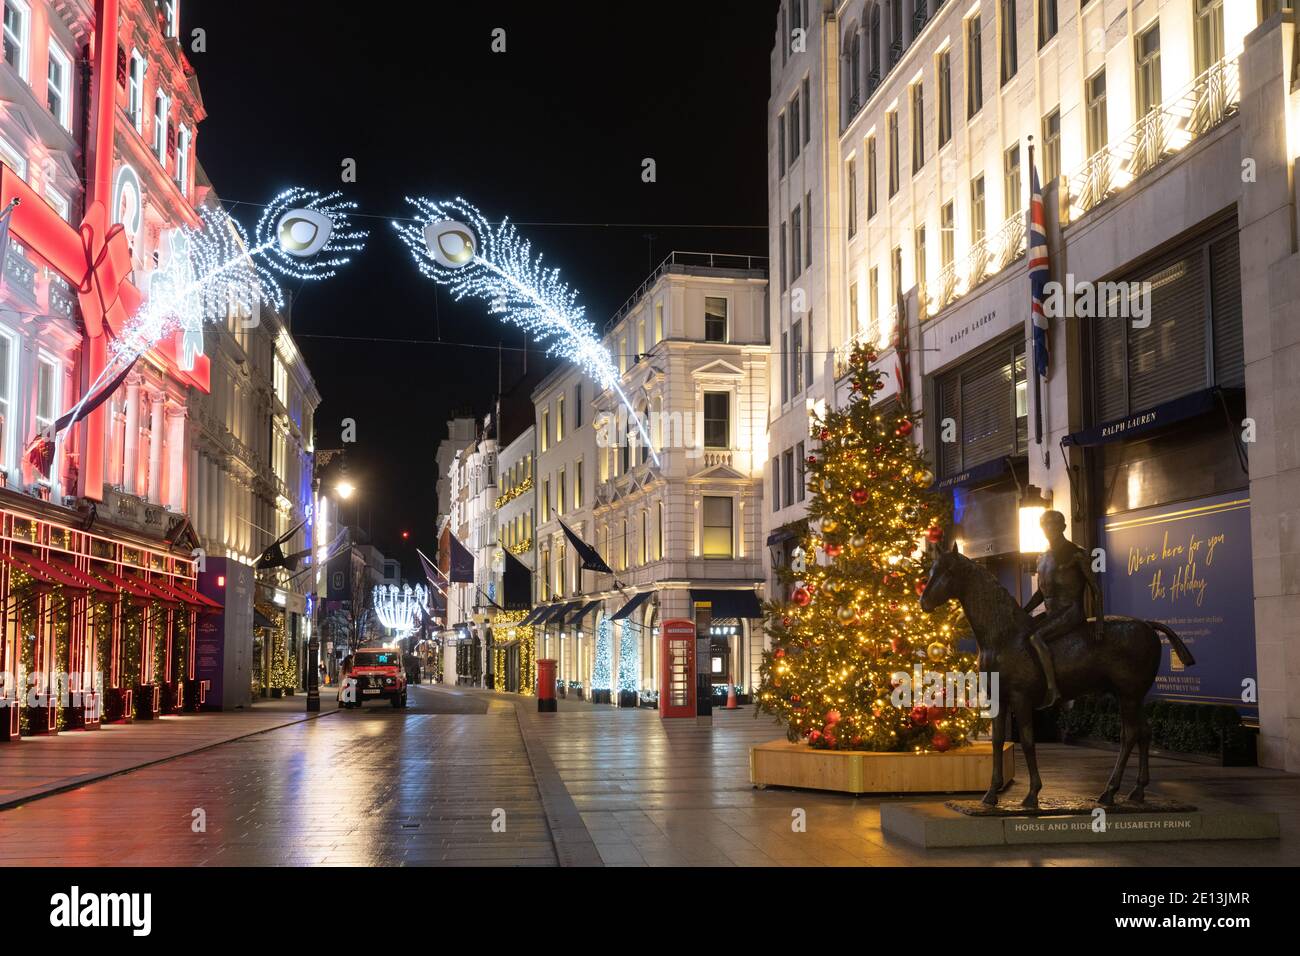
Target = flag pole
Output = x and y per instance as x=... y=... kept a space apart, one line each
x=1038 y=379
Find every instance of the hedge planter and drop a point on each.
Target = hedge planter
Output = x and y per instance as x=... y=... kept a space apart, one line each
x=1204 y=733
x=781 y=763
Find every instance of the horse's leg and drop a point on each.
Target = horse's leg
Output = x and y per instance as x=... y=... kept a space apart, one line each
x=999 y=736
x=1129 y=714
x=1025 y=717
x=1138 y=794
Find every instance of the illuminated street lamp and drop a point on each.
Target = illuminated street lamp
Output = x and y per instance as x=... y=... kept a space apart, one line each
x=1032 y=506
x=345 y=488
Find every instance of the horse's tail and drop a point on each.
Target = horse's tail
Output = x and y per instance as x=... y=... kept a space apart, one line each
x=1176 y=642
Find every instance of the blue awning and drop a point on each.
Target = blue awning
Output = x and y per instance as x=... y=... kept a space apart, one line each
x=1139 y=423
x=737 y=604
x=584 y=611
x=974 y=475
x=626 y=610
x=533 y=615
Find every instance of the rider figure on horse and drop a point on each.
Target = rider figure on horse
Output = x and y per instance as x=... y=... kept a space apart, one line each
x=1063 y=575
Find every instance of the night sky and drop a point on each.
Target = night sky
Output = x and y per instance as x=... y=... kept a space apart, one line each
x=551 y=133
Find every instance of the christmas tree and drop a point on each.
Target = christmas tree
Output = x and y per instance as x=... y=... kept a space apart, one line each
x=852 y=625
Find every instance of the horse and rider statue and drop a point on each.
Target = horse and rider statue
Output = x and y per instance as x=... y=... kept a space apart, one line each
x=1060 y=655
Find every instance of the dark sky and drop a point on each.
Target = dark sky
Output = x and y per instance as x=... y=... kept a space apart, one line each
x=551 y=133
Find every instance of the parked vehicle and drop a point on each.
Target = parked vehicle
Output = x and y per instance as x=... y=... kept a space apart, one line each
x=373 y=673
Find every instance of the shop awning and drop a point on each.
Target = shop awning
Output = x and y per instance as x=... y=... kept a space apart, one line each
x=88 y=582
x=156 y=591
x=127 y=585
x=531 y=617
x=42 y=571
x=261 y=620
x=191 y=596
x=737 y=604
x=564 y=612
x=584 y=611
x=552 y=613
x=626 y=610
x=974 y=475
x=1168 y=413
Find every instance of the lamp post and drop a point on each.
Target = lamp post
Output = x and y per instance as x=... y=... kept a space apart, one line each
x=344 y=489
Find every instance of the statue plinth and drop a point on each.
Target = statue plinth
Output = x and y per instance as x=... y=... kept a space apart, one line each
x=1065 y=806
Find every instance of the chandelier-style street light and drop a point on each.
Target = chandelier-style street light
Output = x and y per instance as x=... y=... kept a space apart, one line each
x=397 y=606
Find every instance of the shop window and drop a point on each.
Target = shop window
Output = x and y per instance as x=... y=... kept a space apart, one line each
x=986 y=397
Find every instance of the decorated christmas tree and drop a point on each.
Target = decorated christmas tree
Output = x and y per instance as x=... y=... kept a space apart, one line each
x=851 y=625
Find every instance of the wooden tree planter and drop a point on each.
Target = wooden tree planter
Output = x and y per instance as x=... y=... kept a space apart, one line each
x=781 y=763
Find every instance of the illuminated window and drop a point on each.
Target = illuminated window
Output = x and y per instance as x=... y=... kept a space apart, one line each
x=918 y=127
x=715 y=318
x=717 y=420
x=160 y=109
x=183 y=142
x=947 y=233
x=170 y=13
x=716 y=527
x=974 y=67
x=57 y=91
x=1095 y=95
x=1011 y=181
x=135 y=91
x=1052 y=146
x=851 y=186
x=17 y=22
x=1148 y=70
x=944 y=76
x=559 y=419
x=1209 y=34
x=1007 y=37
x=871 y=176
x=891 y=123
x=659 y=321
x=1047 y=21
x=6 y=396
x=977 y=210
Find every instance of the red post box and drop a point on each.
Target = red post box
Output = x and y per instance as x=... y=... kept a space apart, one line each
x=546 y=703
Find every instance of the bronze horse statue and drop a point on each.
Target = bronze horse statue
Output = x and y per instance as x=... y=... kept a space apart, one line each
x=1124 y=662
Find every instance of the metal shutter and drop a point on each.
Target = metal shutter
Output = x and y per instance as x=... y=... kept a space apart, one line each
x=1167 y=358
x=949 y=407
x=987 y=397
x=1225 y=301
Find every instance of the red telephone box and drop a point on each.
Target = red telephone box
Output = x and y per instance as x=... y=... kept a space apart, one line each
x=677 y=684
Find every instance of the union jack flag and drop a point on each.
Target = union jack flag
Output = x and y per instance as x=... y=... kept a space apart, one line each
x=1039 y=271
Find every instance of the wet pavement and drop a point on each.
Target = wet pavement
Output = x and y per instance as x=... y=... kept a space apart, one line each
x=466 y=777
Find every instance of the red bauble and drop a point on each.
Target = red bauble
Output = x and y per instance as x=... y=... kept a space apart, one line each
x=801 y=597
x=860 y=496
x=893 y=605
x=872 y=356
x=834 y=550
x=934 y=534
x=873 y=475
x=904 y=428
x=857 y=386
x=898 y=646
x=814 y=736
x=880 y=383
x=786 y=622
x=878 y=450
x=918 y=715
x=828 y=740
x=920 y=588
x=826 y=434
x=794 y=698
x=812 y=459
x=941 y=742
x=779 y=652
x=832 y=717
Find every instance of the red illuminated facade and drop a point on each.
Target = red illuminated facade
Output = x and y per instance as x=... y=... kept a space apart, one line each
x=97 y=567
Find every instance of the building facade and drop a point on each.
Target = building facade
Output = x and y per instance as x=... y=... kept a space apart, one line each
x=1163 y=134
x=671 y=496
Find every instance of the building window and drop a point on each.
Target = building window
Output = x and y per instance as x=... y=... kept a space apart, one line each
x=559 y=419
x=896 y=273
x=1047 y=21
x=1095 y=90
x=1052 y=146
x=645 y=536
x=715 y=319
x=977 y=210
x=659 y=550
x=160 y=109
x=895 y=32
x=780 y=144
x=785 y=368
x=624 y=549
x=919 y=240
x=796 y=358
x=13 y=159
x=851 y=185
x=801 y=478
x=546 y=429
x=807 y=229
x=853 y=318
x=1011 y=181
x=974 y=67
x=546 y=500
x=892 y=126
x=47 y=395
x=183 y=143
x=577 y=405
x=170 y=10
x=57 y=89
x=17 y=22
x=59 y=202
x=135 y=91
x=944 y=76
x=987 y=398
x=947 y=233
x=1148 y=70
x=789 y=476
x=807 y=111
x=562 y=487
x=1007 y=39
x=873 y=305
x=871 y=176
x=782 y=240
x=776 y=483
x=794 y=129
x=717 y=420
x=1209 y=34
x=918 y=127
x=796 y=243
x=659 y=322
x=808 y=355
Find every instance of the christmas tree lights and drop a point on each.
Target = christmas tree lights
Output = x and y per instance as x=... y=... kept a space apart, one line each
x=629 y=657
x=453 y=245
x=602 y=670
x=851 y=632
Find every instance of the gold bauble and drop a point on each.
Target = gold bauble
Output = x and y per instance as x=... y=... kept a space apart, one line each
x=937 y=651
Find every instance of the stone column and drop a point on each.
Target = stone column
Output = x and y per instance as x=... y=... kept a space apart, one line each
x=156 y=408
x=175 y=494
x=131 y=439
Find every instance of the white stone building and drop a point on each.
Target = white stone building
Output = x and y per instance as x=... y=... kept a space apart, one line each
x=675 y=515
x=1164 y=135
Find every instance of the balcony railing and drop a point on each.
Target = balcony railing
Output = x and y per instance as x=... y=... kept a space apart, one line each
x=680 y=262
x=871 y=335
x=20 y=274
x=1198 y=108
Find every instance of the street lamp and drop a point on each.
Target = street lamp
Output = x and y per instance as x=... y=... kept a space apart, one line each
x=345 y=488
x=1032 y=505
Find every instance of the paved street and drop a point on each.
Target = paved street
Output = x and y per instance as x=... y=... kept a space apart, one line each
x=586 y=785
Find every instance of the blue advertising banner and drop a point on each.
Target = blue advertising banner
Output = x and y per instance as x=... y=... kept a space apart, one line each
x=1188 y=565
